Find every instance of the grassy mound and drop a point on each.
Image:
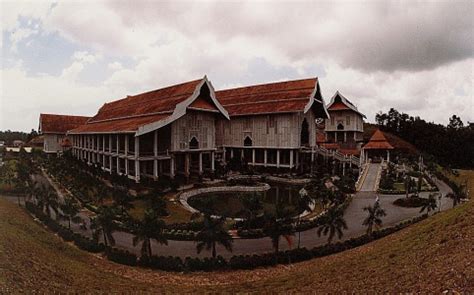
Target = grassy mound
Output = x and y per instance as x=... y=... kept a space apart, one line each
x=430 y=257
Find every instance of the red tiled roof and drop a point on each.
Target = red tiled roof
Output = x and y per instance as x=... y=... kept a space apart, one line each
x=156 y=101
x=378 y=141
x=201 y=103
x=50 y=123
x=121 y=125
x=289 y=96
x=338 y=106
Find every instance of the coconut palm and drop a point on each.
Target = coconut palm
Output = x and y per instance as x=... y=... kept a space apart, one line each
x=374 y=218
x=122 y=199
x=332 y=223
x=150 y=228
x=304 y=203
x=277 y=225
x=252 y=205
x=455 y=197
x=69 y=211
x=48 y=200
x=212 y=233
x=430 y=205
x=103 y=223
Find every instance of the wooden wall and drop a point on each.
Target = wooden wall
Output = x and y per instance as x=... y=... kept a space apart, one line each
x=356 y=121
x=278 y=130
x=194 y=124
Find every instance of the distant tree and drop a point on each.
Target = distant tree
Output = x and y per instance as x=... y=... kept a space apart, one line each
x=430 y=205
x=103 y=224
x=148 y=229
x=213 y=233
x=455 y=122
x=374 y=218
x=332 y=223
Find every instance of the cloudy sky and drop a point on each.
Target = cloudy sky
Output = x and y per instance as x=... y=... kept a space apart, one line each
x=72 y=57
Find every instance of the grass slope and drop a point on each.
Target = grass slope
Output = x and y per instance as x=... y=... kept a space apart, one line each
x=432 y=256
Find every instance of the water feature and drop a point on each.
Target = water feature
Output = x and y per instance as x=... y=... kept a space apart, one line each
x=234 y=204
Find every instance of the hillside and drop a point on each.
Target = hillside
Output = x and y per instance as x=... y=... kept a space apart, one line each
x=432 y=256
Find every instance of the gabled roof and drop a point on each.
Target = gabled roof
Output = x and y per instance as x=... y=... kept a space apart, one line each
x=339 y=102
x=59 y=124
x=279 y=97
x=378 y=141
x=149 y=111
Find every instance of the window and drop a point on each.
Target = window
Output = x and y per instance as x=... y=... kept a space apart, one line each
x=332 y=120
x=194 y=143
x=348 y=120
x=247 y=141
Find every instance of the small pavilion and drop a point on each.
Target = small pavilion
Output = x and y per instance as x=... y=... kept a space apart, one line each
x=377 y=148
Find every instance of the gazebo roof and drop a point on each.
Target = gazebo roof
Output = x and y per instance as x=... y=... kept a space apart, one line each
x=378 y=141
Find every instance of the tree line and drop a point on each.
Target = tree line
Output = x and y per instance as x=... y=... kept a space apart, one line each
x=451 y=145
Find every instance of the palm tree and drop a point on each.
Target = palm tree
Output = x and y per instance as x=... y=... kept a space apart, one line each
x=150 y=228
x=277 y=225
x=122 y=199
x=332 y=223
x=304 y=204
x=275 y=228
x=69 y=211
x=455 y=197
x=252 y=206
x=48 y=200
x=103 y=223
x=213 y=232
x=430 y=205
x=374 y=218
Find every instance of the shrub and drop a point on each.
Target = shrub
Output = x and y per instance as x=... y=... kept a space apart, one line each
x=410 y=202
x=121 y=256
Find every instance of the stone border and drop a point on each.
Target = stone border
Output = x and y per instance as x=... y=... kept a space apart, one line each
x=277 y=179
x=183 y=197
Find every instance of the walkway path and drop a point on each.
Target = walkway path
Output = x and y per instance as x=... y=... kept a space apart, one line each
x=369 y=184
x=354 y=216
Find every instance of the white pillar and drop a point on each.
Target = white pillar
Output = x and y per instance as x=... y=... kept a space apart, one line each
x=291 y=158
x=172 y=167
x=253 y=157
x=278 y=158
x=231 y=153
x=223 y=155
x=137 y=160
x=118 y=165
x=265 y=157
x=345 y=136
x=127 y=168
x=118 y=145
x=155 y=154
x=200 y=163
x=388 y=155
x=212 y=162
x=186 y=165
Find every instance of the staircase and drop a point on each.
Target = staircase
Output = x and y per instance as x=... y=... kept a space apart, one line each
x=337 y=156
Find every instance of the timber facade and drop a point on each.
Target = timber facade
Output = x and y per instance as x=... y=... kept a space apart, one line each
x=184 y=129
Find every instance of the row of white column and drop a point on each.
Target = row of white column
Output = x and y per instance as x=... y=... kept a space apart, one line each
x=265 y=157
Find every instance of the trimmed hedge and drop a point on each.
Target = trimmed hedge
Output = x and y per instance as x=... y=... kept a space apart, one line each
x=65 y=233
